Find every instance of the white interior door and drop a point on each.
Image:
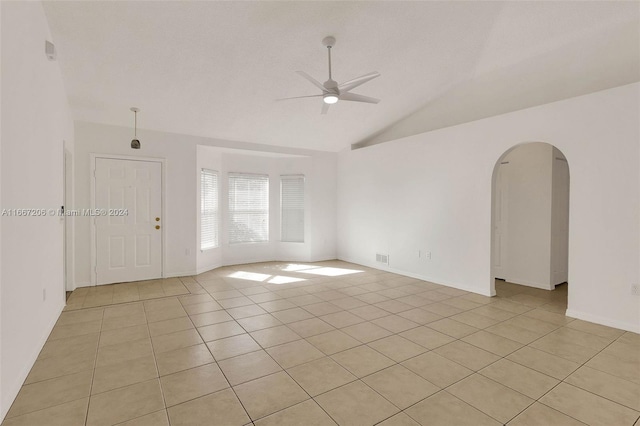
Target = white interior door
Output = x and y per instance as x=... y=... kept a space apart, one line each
x=129 y=236
x=500 y=212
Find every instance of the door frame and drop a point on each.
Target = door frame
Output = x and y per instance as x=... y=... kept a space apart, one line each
x=68 y=226
x=499 y=168
x=494 y=175
x=94 y=240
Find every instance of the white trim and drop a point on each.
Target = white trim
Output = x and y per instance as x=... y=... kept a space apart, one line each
x=222 y=265
x=204 y=269
x=597 y=319
x=92 y=175
x=12 y=393
x=529 y=283
x=70 y=278
x=379 y=266
x=180 y=274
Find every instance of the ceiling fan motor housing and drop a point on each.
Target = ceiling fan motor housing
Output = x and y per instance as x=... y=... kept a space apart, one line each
x=331 y=86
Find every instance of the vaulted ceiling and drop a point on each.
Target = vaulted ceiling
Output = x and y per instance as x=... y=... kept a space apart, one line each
x=215 y=69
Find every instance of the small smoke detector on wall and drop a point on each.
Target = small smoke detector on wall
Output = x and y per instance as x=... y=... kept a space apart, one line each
x=50 y=50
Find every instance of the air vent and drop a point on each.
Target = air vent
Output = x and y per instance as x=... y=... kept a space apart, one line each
x=382 y=258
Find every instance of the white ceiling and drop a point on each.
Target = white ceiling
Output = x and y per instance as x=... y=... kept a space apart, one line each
x=215 y=69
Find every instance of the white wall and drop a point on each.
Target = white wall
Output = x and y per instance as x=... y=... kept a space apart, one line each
x=3 y=410
x=322 y=183
x=185 y=155
x=35 y=122
x=432 y=191
x=528 y=183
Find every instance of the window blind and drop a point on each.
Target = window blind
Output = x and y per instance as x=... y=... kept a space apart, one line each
x=292 y=208
x=248 y=208
x=208 y=209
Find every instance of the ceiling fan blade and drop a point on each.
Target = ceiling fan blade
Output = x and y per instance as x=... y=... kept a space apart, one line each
x=358 y=98
x=351 y=84
x=299 y=97
x=312 y=80
x=325 y=108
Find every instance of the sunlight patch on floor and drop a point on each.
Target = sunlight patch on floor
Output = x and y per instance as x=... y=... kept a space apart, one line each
x=279 y=279
x=251 y=276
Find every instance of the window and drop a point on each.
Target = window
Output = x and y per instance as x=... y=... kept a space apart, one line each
x=208 y=209
x=292 y=208
x=248 y=208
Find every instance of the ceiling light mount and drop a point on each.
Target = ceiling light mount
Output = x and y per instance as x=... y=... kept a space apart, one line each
x=135 y=143
x=329 y=41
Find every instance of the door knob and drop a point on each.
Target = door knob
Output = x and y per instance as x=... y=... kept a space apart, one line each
x=157 y=226
x=157 y=219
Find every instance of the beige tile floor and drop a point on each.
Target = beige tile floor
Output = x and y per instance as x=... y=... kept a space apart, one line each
x=326 y=343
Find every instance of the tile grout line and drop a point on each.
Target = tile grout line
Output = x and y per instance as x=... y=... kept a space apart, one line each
x=396 y=333
x=504 y=357
x=155 y=363
x=328 y=356
x=93 y=372
x=560 y=381
x=218 y=365
x=274 y=360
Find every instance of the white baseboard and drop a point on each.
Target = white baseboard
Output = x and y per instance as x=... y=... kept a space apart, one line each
x=383 y=267
x=181 y=274
x=323 y=258
x=212 y=267
x=609 y=322
x=166 y=275
x=204 y=269
x=30 y=360
x=530 y=284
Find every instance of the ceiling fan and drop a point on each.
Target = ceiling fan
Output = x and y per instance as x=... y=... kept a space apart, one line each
x=332 y=92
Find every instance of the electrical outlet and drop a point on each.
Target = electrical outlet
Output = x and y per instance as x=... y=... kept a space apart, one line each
x=418 y=253
x=427 y=255
x=635 y=289
x=44 y=294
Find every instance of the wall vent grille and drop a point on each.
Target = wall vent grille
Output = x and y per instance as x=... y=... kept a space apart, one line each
x=382 y=258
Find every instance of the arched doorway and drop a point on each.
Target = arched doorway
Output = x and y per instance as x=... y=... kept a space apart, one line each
x=530 y=224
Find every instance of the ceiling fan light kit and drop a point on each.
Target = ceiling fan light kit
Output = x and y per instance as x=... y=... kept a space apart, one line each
x=332 y=92
x=330 y=98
